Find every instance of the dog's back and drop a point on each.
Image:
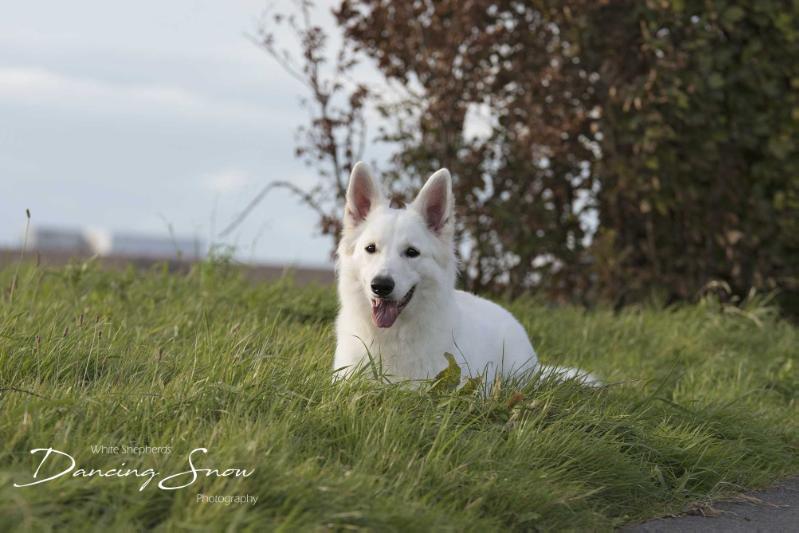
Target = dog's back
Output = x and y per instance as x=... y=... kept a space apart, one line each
x=489 y=338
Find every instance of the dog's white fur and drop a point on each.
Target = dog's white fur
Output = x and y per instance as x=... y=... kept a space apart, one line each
x=485 y=338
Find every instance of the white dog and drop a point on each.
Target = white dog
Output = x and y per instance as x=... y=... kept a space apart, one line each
x=396 y=284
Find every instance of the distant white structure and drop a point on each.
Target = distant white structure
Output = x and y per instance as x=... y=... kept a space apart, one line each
x=108 y=243
x=57 y=240
x=105 y=242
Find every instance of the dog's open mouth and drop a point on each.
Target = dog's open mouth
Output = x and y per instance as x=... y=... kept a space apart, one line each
x=385 y=312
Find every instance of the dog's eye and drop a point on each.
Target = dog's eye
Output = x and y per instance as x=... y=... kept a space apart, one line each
x=371 y=249
x=411 y=252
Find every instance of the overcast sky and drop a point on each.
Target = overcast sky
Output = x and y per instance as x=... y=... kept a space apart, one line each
x=132 y=115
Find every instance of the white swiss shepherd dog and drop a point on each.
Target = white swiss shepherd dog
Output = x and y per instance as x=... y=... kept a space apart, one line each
x=399 y=307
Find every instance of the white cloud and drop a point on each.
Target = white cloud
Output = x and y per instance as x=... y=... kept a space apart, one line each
x=227 y=181
x=38 y=86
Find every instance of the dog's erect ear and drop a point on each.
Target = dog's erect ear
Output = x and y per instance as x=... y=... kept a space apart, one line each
x=363 y=194
x=435 y=202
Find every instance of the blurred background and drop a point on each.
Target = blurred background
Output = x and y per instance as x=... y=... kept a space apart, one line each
x=133 y=119
x=602 y=151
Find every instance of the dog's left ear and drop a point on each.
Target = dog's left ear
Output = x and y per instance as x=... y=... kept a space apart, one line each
x=435 y=202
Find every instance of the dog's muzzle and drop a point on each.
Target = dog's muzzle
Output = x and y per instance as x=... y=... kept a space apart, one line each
x=386 y=311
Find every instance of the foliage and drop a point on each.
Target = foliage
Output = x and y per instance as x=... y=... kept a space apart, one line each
x=631 y=147
x=700 y=161
x=701 y=402
x=521 y=185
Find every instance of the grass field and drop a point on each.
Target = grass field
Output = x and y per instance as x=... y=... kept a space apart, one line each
x=701 y=401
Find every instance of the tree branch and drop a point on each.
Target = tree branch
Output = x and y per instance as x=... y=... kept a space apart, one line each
x=304 y=196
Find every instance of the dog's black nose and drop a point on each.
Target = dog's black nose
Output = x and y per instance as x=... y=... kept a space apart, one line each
x=382 y=286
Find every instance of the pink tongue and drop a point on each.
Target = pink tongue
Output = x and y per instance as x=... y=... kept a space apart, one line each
x=384 y=313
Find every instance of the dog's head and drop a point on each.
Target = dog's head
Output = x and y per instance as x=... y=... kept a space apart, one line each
x=397 y=254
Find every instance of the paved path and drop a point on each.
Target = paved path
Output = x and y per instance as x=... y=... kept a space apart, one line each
x=774 y=510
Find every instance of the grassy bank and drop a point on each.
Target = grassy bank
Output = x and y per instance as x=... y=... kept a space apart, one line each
x=702 y=400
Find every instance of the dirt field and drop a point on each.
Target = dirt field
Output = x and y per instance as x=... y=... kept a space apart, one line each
x=257 y=272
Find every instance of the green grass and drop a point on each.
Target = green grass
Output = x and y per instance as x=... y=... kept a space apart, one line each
x=701 y=401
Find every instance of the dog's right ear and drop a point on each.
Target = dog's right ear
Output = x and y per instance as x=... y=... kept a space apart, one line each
x=363 y=195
